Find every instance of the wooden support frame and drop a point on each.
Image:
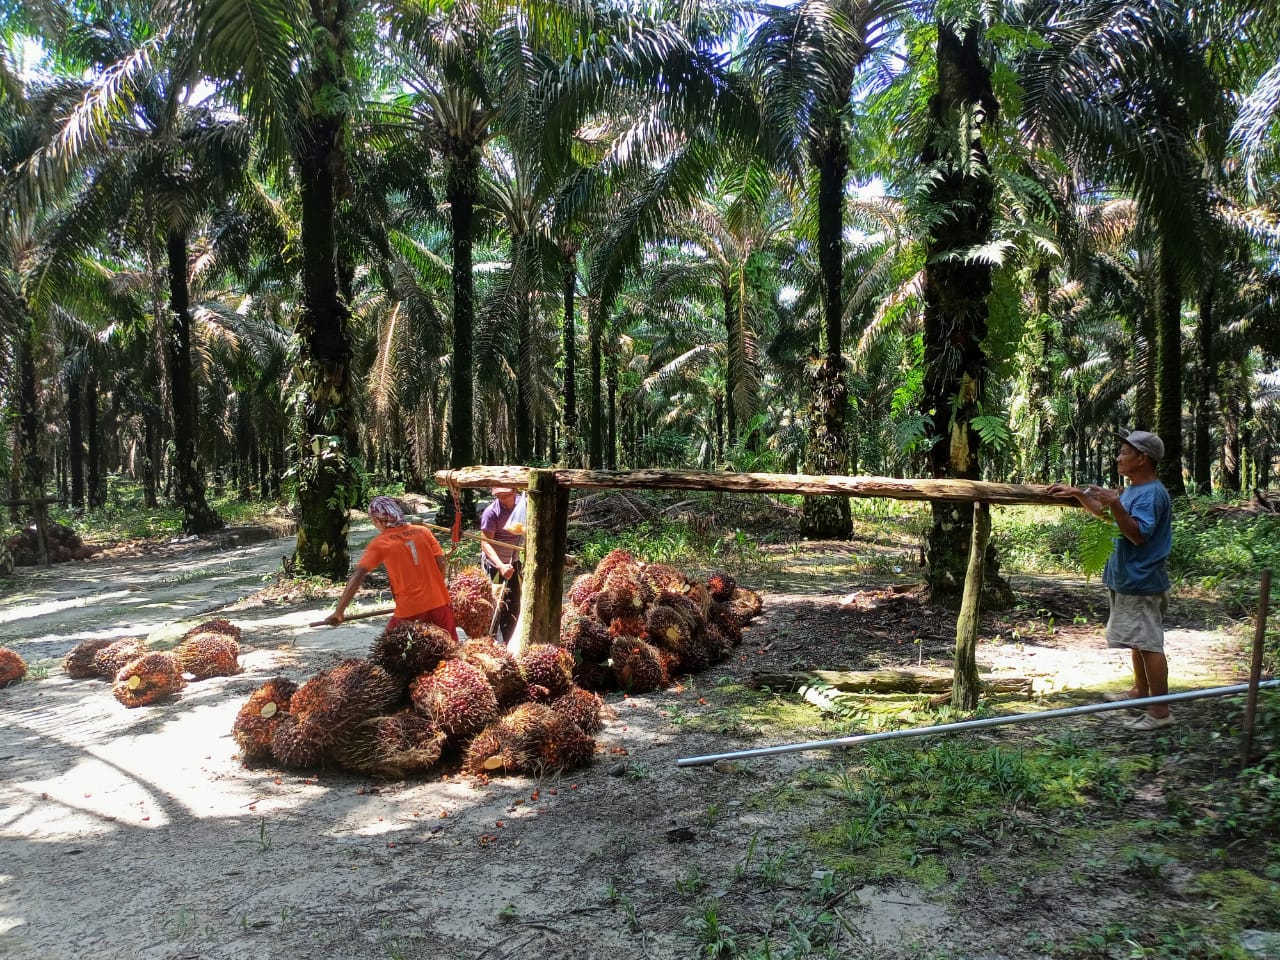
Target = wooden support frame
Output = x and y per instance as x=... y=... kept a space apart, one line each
x=546 y=537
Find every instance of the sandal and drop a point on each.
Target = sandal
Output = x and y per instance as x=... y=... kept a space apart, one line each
x=1148 y=722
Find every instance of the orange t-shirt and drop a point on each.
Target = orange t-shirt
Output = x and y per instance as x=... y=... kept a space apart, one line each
x=409 y=554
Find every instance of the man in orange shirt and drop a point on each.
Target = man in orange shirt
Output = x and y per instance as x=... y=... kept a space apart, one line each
x=415 y=565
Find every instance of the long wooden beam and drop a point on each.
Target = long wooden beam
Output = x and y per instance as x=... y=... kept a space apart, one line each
x=889 y=487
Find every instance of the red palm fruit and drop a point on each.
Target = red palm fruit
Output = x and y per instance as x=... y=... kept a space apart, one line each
x=220 y=625
x=456 y=697
x=12 y=667
x=661 y=576
x=585 y=637
x=582 y=593
x=730 y=624
x=581 y=706
x=629 y=588
x=746 y=603
x=701 y=598
x=489 y=752
x=205 y=655
x=151 y=677
x=391 y=747
x=612 y=559
x=108 y=661
x=637 y=666
x=471 y=595
x=721 y=585
x=666 y=628
x=547 y=666
x=411 y=647
x=335 y=700
x=259 y=717
x=78 y=663
x=632 y=627
x=591 y=675
x=531 y=739
x=499 y=667
x=699 y=653
x=561 y=746
x=672 y=663
x=298 y=744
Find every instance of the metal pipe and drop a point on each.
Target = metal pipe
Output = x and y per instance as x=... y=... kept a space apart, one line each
x=945 y=728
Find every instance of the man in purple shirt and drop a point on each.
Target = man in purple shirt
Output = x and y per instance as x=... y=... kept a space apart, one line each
x=501 y=559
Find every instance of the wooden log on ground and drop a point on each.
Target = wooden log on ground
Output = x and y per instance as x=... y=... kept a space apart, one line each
x=771 y=483
x=882 y=681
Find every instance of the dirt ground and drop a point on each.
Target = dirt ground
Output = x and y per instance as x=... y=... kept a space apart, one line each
x=140 y=834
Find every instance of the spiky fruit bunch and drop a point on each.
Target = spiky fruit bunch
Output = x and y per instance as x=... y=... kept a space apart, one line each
x=637 y=666
x=718 y=643
x=581 y=706
x=108 y=661
x=582 y=594
x=410 y=648
x=661 y=576
x=591 y=675
x=471 y=594
x=632 y=627
x=627 y=592
x=531 y=739
x=614 y=558
x=78 y=663
x=151 y=677
x=548 y=666
x=667 y=628
x=337 y=699
x=699 y=653
x=701 y=598
x=261 y=714
x=499 y=667
x=585 y=637
x=746 y=603
x=205 y=655
x=218 y=625
x=300 y=744
x=456 y=697
x=12 y=667
x=727 y=620
x=391 y=747
x=721 y=586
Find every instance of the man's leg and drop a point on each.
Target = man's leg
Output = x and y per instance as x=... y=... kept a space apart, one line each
x=1155 y=667
x=1141 y=685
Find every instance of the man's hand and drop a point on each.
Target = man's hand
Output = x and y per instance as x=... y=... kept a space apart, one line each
x=334 y=618
x=507 y=570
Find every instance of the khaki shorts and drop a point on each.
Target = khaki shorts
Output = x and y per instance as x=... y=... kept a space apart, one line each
x=1137 y=621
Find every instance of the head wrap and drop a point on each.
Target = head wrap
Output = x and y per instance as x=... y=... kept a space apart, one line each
x=386 y=510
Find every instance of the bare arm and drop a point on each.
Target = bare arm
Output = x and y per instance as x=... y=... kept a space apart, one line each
x=1128 y=526
x=353 y=587
x=1088 y=497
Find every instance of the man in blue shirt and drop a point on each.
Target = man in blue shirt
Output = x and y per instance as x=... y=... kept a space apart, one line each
x=1135 y=574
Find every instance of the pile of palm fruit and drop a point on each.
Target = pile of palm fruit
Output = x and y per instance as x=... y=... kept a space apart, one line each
x=12 y=667
x=422 y=697
x=635 y=626
x=141 y=676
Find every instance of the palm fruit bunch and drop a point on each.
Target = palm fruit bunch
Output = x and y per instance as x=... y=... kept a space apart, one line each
x=581 y=706
x=721 y=586
x=582 y=595
x=724 y=617
x=261 y=714
x=638 y=666
x=409 y=648
x=456 y=697
x=329 y=705
x=531 y=739
x=623 y=593
x=471 y=594
x=500 y=668
x=108 y=661
x=78 y=663
x=662 y=576
x=391 y=747
x=218 y=625
x=548 y=667
x=151 y=677
x=206 y=654
x=12 y=667
x=585 y=637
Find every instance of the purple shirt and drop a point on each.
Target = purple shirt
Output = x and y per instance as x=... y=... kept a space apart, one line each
x=493 y=524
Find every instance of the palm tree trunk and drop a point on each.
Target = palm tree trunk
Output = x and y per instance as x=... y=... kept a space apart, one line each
x=1206 y=373
x=829 y=518
x=75 y=438
x=461 y=184
x=197 y=516
x=29 y=431
x=572 y=445
x=956 y=288
x=524 y=379
x=1169 y=401
x=595 y=361
x=326 y=485
x=611 y=378
x=732 y=347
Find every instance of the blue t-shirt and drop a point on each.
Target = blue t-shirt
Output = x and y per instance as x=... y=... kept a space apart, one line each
x=1141 y=569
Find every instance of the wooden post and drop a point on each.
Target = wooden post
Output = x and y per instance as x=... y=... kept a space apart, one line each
x=965 y=686
x=546 y=533
x=1255 y=669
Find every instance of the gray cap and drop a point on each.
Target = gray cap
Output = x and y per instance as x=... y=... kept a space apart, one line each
x=1145 y=442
